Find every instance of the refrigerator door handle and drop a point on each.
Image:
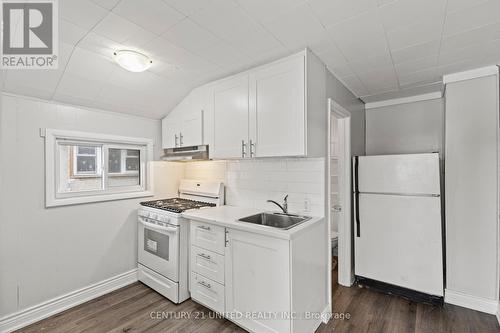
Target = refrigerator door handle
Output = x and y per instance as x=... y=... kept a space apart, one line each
x=356 y=194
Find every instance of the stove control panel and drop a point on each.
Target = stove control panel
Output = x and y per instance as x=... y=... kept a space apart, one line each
x=153 y=216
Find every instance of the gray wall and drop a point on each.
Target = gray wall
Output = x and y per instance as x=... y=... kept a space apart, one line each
x=416 y=127
x=45 y=253
x=339 y=93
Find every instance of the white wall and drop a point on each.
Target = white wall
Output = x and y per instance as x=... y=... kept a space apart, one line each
x=249 y=183
x=471 y=187
x=45 y=253
x=416 y=127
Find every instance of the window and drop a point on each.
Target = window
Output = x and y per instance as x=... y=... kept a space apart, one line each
x=123 y=161
x=86 y=167
x=86 y=161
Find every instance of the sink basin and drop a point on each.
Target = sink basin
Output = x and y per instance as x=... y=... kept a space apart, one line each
x=276 y=220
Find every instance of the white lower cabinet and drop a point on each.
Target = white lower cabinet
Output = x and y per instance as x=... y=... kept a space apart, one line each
x=258 y=281
x=262 y=283
x=207 y=236
x=207 y=292
x=207 y=263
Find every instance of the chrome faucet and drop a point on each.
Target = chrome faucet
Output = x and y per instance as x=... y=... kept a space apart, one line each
x=283 y=207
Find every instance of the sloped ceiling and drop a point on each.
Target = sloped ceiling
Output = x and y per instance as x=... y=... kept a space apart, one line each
x=376 y=47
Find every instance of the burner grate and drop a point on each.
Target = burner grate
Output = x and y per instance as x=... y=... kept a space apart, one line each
x=176 y=205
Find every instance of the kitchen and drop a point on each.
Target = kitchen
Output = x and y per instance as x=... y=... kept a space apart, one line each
x=245 y=116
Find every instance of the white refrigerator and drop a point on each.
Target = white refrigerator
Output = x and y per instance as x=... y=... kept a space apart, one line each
x=397 y=221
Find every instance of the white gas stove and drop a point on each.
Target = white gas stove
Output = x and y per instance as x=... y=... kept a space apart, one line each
x=163 y=237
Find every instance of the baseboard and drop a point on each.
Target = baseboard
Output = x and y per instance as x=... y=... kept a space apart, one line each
x=326 y=315
x=471 y=302
x=498 y=313
x=46 y=309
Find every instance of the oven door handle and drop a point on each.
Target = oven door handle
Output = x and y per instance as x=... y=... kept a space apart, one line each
x=158 y=227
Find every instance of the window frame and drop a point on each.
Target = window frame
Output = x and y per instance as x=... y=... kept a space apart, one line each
x=98 y=163
x=123 y=164
x=54 y=138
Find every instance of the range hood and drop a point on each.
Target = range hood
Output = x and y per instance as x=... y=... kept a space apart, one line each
x=185 y=154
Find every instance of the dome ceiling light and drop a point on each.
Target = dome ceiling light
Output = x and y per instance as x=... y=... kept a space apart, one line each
x=132 y=61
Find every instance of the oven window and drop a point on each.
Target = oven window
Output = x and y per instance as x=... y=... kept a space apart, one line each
x=156 y=243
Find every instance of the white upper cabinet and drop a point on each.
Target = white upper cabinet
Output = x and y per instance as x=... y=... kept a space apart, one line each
x=170 y=129
x=191 y=129
x=277 y=109
x=184 y=125
x=230 y=110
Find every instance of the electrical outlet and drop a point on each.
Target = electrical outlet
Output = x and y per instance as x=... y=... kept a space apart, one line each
x=307 y=205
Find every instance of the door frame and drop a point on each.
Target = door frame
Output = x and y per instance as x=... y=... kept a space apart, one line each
x=345 y=256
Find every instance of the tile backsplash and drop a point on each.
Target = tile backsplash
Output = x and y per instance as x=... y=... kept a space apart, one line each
x=249 y=183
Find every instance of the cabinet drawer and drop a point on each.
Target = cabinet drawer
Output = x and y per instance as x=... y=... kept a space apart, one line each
x=207 y=263
x=208 y=236
x=207 y=292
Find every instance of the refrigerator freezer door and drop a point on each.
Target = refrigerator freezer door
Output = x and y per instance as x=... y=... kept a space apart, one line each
x=400 y=241
x=399 y=174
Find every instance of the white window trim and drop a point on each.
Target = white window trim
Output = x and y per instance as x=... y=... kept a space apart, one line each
x=51 y=167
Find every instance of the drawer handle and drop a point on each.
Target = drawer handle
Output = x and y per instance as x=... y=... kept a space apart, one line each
x=204 y=227
x=204 y=256
x=204 y=284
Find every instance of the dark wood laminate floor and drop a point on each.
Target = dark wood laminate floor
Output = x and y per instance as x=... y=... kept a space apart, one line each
x=130 y=309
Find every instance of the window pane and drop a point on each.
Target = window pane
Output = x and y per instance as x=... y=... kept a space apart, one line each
x=86 y=150
x=86 y=164
x=133 y=152
x=127 y=174
x=79 y=173
x=132 y=164
x=115 y=160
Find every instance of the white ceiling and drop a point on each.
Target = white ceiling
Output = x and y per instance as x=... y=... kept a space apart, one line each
x=376 y=47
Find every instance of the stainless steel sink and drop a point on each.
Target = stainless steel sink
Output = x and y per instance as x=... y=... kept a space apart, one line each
x=276 y=220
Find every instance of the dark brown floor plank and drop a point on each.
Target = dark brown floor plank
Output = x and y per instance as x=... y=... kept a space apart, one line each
x=61 y=321
x=134 y=309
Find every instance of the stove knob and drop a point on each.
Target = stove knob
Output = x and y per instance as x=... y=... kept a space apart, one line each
x=153 y=216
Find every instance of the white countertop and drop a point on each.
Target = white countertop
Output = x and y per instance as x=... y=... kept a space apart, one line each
x=228 y=216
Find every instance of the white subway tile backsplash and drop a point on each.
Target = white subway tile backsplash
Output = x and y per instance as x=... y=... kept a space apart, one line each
x=249 y=183
x=206 y=170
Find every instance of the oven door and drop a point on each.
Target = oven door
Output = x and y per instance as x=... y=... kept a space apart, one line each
x=159 y=248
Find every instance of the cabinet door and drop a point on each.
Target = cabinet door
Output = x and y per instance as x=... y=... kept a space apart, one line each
x=230 y=98
x=257 y=280
x=170 y=129
x=191 y=133
x=277 y=109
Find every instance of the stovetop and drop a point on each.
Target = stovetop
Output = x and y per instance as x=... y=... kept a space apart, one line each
x=176 y=205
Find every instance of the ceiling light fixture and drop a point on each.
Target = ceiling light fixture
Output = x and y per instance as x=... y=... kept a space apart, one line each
x=132 y=61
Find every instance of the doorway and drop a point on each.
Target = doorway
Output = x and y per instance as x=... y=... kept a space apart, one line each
x=339 y=193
